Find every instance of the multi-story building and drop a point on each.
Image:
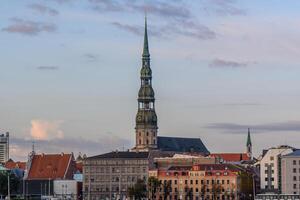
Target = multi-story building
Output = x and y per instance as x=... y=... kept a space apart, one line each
x=290 y=173
x=270 y=168
x=108 y=176
x=203 y=181
x=4 y=147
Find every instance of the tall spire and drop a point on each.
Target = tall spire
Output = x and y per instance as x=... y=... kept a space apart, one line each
x=146 y=47
x=249 y=143
x=146 y=118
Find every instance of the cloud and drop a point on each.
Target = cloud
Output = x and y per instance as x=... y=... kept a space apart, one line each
x=288 y=126
x=60 y=1
x=47 y=67
x=45 y=130
x=175 y=18
x=90 y=57
x=27 y=27
x=220 y=63
x=133 y=29
x=43 y=9
x=222 y=7
x=20 y=147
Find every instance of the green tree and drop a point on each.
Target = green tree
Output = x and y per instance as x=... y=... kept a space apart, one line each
x=138 y=191
x=167 y=189
x=216 y=190
x=14 y=182
x=153 y=186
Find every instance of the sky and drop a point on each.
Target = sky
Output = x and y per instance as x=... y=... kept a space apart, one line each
x=70 y=72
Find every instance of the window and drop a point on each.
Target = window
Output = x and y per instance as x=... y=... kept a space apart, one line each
x=147 y=141
x=272 y=158
x=196 y=182
x=175 y=182
x=294 y=170
x=228 y=181
x=294 y=162
x=223 y=181
x=186 y=182
x=147 y=133
x=295 y=186
x=191 y=181
x=295 y=178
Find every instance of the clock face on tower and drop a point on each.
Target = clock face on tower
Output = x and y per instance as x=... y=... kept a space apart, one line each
x=139 y=118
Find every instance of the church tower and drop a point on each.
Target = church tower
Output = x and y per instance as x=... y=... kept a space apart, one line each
x=146 y=119
x=249 y=145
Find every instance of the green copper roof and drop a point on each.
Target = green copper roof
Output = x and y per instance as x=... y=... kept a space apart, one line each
x=146 y=47
x=249 y=138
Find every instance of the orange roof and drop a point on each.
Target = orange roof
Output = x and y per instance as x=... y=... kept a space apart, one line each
x=49 y=166
x=12 y=165
x=231 y=157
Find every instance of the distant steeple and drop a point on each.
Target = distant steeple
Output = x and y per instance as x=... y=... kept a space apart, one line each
x=146 y=47
x=249 y=144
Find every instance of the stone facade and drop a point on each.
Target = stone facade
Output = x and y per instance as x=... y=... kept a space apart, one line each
x=290 y=173
x=108 y=176
x=270 y=168
x=203 y=181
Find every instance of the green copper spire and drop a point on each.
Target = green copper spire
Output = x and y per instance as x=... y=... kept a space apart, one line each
x=146 y=47
x=249 y=143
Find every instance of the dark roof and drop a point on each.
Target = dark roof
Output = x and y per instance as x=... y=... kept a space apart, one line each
x=177 y=144
x=122 y=154
x=295 y=153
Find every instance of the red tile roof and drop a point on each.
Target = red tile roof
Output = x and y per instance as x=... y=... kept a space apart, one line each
x=49 y=166
x=12 y=165
x=231 y=157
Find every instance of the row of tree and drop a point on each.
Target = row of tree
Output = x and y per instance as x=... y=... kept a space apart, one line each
x=139 y=190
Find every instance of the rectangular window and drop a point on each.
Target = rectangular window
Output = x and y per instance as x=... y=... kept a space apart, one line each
x=295 y=186
x=294 y=162
x=295 y=178
x=294 y=170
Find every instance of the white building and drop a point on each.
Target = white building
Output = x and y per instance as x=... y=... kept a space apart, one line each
x=270 y=168
x=65 y=189
x=4 y=147
x=290 y=173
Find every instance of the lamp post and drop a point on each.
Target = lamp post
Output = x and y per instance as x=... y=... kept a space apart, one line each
x=8 y=185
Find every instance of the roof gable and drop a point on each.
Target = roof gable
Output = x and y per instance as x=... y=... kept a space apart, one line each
x=50 y=166
x=177 y=144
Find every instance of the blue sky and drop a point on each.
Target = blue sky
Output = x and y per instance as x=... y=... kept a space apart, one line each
x=70 y=72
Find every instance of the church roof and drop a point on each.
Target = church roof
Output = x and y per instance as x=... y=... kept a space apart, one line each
x=122 y=154
x=177 y=144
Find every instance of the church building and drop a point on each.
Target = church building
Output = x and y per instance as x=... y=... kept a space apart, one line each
x=110 y=175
